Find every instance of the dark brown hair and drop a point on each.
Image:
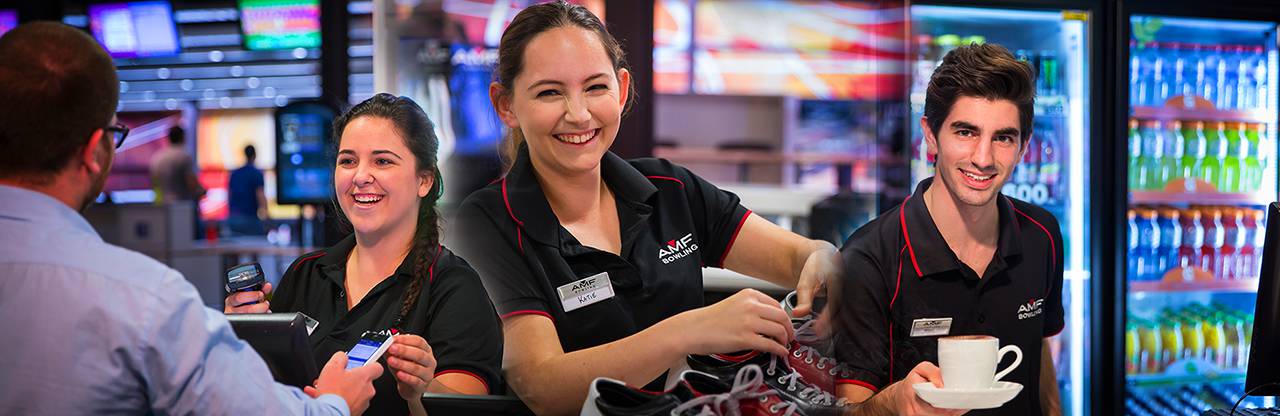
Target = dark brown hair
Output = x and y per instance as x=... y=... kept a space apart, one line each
x=531 y=22
x=57 y=86
x=419 y=136
x=983 y=71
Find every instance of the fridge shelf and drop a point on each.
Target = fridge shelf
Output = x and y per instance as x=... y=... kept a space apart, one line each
x=1199 y=198
x=1201 y=114
x=1226 y=286
x=1166 y=379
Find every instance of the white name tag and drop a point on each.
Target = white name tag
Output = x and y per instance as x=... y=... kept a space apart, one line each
x=930 y=327
x=585 y=292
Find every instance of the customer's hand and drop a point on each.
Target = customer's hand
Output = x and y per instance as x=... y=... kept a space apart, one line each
x=748 y=320
x=822 y=265
x=410 y=359
x=354 y=386
x=902 y=398
x=242 y=302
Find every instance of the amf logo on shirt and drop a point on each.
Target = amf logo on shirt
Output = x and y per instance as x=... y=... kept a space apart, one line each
x=1031 y=309
x=677 y=249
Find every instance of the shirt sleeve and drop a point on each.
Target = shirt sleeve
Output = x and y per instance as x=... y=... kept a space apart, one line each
x=1055 y=315
x=861 y=313
x=193 y=363
x=498 y=258
x=718 y=215
x=465 y=334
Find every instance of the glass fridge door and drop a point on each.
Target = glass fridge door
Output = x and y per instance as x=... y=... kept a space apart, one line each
x=1052 y=174
x=1201 y=165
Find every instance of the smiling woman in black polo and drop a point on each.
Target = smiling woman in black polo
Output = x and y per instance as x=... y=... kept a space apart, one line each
x=392 y=274
x=594 y=262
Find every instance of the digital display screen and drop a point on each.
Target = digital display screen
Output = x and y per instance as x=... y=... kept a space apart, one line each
x=475 y=123
x=243 y=274
x=134 y=30
x=304 y=169
x=8 y=20
x=361 y=352
x=280 y=24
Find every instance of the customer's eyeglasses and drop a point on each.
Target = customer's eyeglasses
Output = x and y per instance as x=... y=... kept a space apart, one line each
x=118 y=133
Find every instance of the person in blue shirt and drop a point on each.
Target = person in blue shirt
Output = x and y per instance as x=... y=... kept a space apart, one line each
x=246 y=200
x=94 y=328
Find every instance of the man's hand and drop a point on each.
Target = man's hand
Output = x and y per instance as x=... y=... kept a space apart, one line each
x=355 y=386
x=901 y=398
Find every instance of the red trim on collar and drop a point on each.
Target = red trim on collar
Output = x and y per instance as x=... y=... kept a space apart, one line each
x=897 y=285
x=668 y=178
x=478 y=378
x=902 y=219
x=1053 y=247
x=431 y=270
x=305 y=259
x=519 y=224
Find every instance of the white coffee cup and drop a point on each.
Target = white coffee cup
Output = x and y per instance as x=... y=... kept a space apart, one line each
x=969 y=361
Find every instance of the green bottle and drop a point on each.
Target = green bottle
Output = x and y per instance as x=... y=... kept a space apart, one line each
x=1193 y=157
x=1216 y=151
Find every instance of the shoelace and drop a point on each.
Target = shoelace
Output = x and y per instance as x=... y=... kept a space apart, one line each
x=806 y=334
x=748 y=384
x=792 y=382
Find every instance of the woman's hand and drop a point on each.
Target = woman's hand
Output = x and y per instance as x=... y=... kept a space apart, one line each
x=748 y=320
x=243 y=302
x=821 y=266
x=410 y=359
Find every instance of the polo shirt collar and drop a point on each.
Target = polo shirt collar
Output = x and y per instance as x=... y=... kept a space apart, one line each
x=334 y=262
x=527 y=204
x=929 y=253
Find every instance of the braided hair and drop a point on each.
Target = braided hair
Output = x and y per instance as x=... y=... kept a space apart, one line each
x=419 y=136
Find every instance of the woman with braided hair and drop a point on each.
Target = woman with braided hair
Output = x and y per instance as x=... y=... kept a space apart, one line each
x=392 y=274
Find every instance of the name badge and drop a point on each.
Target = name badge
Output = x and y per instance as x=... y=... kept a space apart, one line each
x=930 y=327
x=585 y=292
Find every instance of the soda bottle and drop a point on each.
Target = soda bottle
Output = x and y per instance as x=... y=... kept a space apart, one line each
x=1149 y=347
x=1050 y=168
x=1234 y=328
x=1211 y=60
x=1163 y=74
x=1048 y=80
x=1245 y=254
x=1193 y=157
x=1264 y=142
x=1228 y=77
x=1149 y=246
x=1192 y=338
x=1182 y=70
x=1261 y=94
x=1170 y=241
x=1215 y=339
x=1246 y=88
x=1216 y=150
x=1232 y=166
x=1210 y=253
x=1137 y=75
x=1134 y=247
x=1170 y=339
x=1193 y=74
x=1132 y=360
x=1192 y=241
x=1135 y=151
x=1175 y=144
x=1251 y=176
x=1234 y=234
x=1149 y=161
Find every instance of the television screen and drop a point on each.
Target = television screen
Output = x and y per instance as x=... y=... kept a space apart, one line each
x=475 y=123
x=134 y=30
x=304 y=168
x=280 y=24
x=8 y=20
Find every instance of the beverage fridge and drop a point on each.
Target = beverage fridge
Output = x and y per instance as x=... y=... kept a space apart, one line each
x=1059 y=43
x=1199 y=150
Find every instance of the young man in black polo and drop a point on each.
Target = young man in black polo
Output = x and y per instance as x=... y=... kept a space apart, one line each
x=957 y=257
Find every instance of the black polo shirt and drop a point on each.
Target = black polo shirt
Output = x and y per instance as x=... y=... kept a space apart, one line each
x=898 y=269
x=672 y=223
x=452 y=313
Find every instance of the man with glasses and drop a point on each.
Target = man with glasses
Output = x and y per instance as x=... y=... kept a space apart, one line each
x=94 y=328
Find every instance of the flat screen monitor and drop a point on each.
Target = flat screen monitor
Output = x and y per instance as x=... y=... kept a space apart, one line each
x=280 y=24
x=1263 y=377
x=8 y=20
x=134 y=30
x=304 y=167
x=281 y=340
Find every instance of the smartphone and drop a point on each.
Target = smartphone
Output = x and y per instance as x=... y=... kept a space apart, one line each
x=246 y=277
x=368 y=349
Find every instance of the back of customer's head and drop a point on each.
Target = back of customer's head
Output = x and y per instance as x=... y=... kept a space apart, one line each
x=250 y=154
x=57 y=86
x=177 y=135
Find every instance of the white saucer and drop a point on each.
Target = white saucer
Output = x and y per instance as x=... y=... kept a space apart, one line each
x=996 y=396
